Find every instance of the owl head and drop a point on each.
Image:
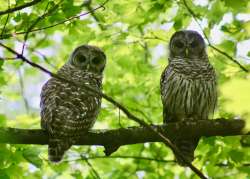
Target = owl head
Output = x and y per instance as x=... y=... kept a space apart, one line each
x=88 y=58
x=187 y=44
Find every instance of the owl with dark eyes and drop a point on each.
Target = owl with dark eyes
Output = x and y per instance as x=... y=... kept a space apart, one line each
x=188 y=86
x=67 y=110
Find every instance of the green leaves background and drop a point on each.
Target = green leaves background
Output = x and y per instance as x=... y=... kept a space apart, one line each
x=134 y=34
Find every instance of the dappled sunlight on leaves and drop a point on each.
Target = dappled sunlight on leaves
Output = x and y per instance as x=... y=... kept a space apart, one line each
x=134 y=35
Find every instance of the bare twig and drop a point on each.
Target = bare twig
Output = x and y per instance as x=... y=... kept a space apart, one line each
x=115 y=103
x=231 y=165
x=192 y=13
x=8 y=58
x=90 y=9
x=125 y=157
x=19 y=7
x=155 y=37
x=51 y=10
x=34 y=49
x=144 y=46
x=92 y=168
x=7 y=19
x=26 y=104
x=56 y=24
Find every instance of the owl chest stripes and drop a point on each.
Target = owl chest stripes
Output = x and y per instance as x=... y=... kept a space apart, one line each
x=187 y=96
x=78 y=110
x=71 y=109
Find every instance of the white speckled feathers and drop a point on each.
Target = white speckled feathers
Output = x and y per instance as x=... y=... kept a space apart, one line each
x=68 y=110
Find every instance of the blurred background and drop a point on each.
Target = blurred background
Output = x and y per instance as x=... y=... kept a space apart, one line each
x=134 y=35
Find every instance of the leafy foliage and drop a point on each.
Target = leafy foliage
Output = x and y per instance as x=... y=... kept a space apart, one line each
x=134 y=35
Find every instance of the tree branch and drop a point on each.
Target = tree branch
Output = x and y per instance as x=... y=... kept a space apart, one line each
x=123 y=157
x=5 y=36
x=19 y=7
x=90 y=9
x=22 y=91
x=51 y=10
x=132 y=135
x=95 y=173
x=7 y=19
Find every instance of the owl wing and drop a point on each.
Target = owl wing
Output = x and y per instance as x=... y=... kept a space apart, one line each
x=165 y=81
x=48 y=103
x=67 y=110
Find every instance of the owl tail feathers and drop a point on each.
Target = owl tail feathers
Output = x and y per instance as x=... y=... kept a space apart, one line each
x=187 y=148
x=57 y=148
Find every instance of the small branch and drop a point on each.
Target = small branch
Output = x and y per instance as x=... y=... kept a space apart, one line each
x=19 y=7
x=229 y=57
x=192 y=13
x=33 y=49
x=22 y=91
x=92 y=168
x=90 y=9
x=123 y=157
x=7 y=19
x=231 y=165
x=144 y=46
x=56 y=24
x=51 y=10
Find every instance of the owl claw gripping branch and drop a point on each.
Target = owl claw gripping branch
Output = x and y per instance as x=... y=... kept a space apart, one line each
x=188 y=86
x=68 y=111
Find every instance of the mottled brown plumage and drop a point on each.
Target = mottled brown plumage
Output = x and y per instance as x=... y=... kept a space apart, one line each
x=188 y=85
x=67 y=110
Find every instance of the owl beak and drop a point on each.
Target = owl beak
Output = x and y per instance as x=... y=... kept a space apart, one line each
x=186 y=52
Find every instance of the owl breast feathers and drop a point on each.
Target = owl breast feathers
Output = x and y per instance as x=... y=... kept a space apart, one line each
x=188 y=85
x=67 y=110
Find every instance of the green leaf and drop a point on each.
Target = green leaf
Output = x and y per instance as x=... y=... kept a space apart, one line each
x=236 y=5
x=228 y=46
x=32 y=156
x=3 y=175
x=2 y=120
x=236 y=155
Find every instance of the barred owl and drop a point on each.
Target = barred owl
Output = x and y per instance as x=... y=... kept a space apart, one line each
x=188 y=86
x=67 y=110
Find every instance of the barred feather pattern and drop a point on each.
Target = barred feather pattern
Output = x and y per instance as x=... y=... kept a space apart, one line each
x=188 y=92
x=67 y=110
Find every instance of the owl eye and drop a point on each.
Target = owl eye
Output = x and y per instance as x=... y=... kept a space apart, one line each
x=178 y=44
x=80 y=59
x=194 y=44
x=97 y=60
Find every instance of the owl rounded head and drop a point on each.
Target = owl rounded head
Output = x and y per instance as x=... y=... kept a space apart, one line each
x=88 y=58
x=187 y=44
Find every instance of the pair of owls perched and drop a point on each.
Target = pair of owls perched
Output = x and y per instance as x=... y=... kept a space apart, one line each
x=188 y=92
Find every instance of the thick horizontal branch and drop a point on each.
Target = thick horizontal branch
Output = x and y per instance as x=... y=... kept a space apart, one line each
x=17 y=8
x=131 y=135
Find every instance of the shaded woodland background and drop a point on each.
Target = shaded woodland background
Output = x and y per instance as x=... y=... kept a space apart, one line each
x=134 y=35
